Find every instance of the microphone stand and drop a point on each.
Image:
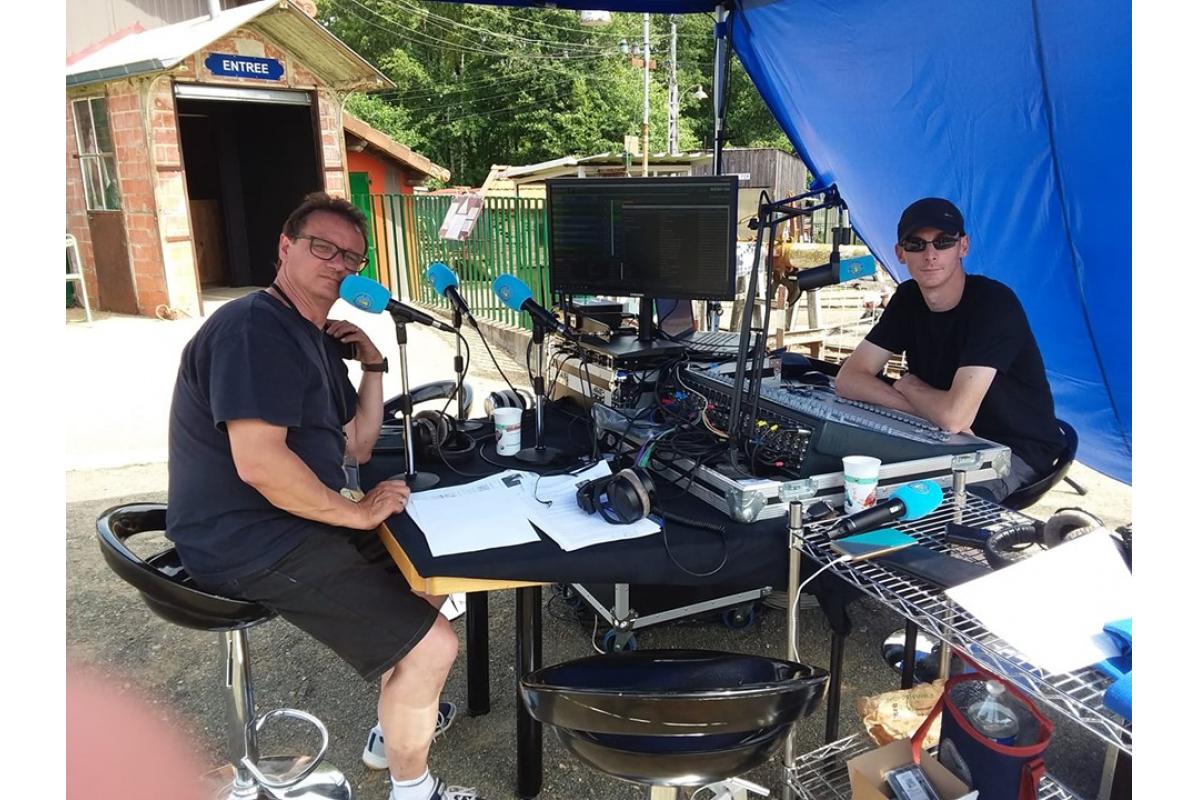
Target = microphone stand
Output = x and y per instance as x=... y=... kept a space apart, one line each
x=465 y=425
x=539 y=454
x=417 y=481
x=770 y=215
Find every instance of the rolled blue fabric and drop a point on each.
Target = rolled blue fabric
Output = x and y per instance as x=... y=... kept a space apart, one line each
x=1119 y=697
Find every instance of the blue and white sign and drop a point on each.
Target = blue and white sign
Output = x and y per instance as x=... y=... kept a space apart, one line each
x=229 y=65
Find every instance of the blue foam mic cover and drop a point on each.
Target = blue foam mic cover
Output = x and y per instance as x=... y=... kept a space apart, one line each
x=920 y=498
x=364 y=293
x=441 y=277
x=850 y=269
x=512 y=291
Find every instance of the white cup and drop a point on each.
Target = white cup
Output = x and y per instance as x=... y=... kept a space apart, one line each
x=508 y=430
x=861 y=477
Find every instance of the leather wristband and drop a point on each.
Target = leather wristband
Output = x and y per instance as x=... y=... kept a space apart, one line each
x=382 y=366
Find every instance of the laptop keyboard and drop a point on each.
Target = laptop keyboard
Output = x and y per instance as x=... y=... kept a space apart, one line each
x=713 y=340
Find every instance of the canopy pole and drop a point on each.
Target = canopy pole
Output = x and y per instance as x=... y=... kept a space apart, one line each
x=645 y=95
x=720 y=83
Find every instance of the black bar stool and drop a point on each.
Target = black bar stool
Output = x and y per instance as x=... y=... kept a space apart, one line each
x=171 y=594
x=673 y=719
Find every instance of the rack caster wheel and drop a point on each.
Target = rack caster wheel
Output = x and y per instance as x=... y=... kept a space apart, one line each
x=626 y=643
x=739 y=617
x=571 y=597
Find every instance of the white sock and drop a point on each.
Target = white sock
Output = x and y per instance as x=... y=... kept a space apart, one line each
x=417 y=789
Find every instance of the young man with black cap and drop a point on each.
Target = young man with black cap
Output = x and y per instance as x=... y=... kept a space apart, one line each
x=973 y=364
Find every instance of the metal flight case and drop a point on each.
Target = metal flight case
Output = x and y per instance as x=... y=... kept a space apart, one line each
x=806 y=431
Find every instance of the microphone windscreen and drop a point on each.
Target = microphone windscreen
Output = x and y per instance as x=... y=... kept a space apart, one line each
x=850 y=269
x=441 y=277
x=920 y=498
x=512 y=291
x=364 y=293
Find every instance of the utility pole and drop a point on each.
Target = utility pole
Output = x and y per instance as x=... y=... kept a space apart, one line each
x=646 y=95
x=673 y=99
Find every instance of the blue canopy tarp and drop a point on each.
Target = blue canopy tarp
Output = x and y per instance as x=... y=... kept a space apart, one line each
x=1019 y=112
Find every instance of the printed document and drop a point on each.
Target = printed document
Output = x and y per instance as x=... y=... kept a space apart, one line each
x=556 y=512
x=487 y=513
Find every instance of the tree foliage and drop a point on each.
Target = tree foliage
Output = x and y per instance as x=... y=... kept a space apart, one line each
x=482 y=85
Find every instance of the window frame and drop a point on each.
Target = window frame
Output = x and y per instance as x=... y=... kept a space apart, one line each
x=102 y=164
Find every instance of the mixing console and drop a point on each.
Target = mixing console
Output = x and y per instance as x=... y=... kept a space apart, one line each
x=831 y=427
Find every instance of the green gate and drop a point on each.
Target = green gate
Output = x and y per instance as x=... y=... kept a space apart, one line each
x=509 y=237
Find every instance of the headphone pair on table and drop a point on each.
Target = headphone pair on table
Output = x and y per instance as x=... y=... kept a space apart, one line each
x=628 y=496
x=1003 y=547
x=436 y=435
x=621 y=499
x=507 y=398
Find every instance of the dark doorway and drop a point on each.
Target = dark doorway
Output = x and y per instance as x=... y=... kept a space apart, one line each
x=248 y=165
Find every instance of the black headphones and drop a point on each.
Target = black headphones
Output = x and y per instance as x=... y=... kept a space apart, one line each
x=507 y=398
x=436 y=436
x=1003 y=547
x=620 y=499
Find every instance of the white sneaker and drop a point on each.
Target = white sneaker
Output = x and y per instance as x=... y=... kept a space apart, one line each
x=374 y=755
x=445 y=792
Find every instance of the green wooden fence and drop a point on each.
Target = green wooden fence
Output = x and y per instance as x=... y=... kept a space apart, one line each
x=509 y=238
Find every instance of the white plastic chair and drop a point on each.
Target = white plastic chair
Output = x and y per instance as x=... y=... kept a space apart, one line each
x=76 y=273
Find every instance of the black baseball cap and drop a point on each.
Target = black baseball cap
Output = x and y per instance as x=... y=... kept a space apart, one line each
x=930 y=212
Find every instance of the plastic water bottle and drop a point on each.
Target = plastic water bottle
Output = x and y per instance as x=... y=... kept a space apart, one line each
x=993 y=717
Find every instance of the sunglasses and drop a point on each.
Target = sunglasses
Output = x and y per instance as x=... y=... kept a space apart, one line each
x=915 y=244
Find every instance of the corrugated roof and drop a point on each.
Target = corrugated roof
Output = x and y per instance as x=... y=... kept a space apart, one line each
x=393 y=149
x=599 y=158
x=163 y=48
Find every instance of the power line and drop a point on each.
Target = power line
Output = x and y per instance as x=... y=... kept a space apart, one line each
x=466 y=102
x=451 y=23
x=429 y=39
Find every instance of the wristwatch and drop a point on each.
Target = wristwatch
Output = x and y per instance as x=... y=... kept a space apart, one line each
x=380 y=367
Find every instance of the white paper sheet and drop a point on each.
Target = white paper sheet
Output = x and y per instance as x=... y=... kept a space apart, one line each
x=487 y=513
x=559 y=516
x=1053 y=607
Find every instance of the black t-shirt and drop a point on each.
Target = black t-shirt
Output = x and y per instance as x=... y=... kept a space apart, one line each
x=987 y=328
x=254 y=358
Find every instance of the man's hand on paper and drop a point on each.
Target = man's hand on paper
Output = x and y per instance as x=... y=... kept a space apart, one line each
x=386 y=499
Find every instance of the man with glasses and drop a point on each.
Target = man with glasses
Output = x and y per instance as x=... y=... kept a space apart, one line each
x=265 y=427
x=973 y=364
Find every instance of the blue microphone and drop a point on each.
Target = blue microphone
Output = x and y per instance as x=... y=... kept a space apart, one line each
x=374 y=298
x=445 y=283
x=513 y=292
x=847 y=269
x=911 y=501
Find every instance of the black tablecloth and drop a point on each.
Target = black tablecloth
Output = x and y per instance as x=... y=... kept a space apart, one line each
x=755 y=554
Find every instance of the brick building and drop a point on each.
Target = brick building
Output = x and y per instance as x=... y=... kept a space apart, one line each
x=188 y=144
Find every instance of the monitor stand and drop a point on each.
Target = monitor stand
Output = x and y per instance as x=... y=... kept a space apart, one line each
x=649 y=341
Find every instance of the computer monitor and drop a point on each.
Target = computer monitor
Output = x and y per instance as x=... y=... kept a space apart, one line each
x=644 y=237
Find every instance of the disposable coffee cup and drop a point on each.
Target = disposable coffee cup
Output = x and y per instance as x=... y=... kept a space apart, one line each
x=508 y=430
x=861 y=475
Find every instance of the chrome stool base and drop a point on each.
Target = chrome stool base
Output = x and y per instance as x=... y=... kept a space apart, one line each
x=325 y=783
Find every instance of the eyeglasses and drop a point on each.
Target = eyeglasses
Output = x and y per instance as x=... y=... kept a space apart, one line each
x=327 y=251
x=915 y=244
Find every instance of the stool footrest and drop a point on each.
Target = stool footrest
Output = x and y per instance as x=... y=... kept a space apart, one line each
x=283 y=782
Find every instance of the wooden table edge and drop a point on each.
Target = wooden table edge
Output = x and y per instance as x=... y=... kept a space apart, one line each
x=440 y=585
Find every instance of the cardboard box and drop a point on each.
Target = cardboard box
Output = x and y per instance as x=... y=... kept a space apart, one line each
x=867 y=771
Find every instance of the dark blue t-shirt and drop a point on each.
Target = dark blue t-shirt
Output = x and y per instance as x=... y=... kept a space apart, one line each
x=254 y=358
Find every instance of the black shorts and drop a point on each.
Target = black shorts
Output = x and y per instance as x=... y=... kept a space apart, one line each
x=342 y=588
